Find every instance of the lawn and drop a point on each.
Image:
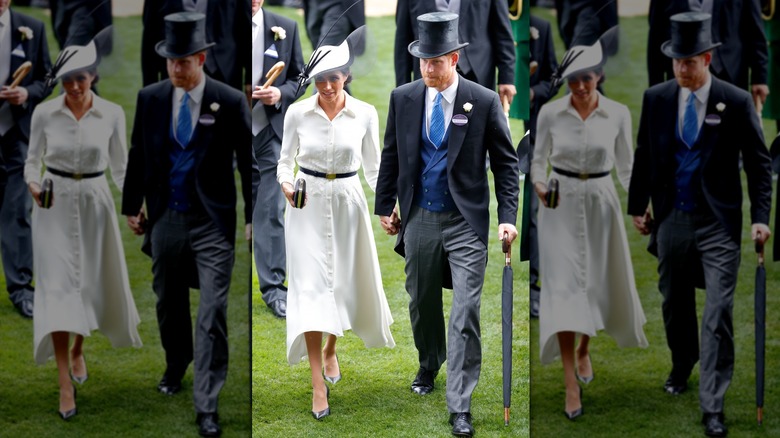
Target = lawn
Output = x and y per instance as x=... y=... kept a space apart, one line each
x=120 y=397
x=626 y=397
x=374 y=399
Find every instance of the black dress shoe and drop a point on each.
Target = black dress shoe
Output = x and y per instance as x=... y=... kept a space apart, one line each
x=675 y=385
x=169 y=385
x=279 y=308
x=713 y=424
x=461 y=424
x=423 y=383
x=25 y=307
x=208 y=424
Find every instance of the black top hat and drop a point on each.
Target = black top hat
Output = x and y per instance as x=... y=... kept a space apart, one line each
x=691 y=35
x=185 y=35
x=438 y=33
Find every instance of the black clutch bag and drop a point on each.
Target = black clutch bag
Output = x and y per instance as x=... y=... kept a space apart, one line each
x=46 y=192
x=299 y=197
x=552 y=193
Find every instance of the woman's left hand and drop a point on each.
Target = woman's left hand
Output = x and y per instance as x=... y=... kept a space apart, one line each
x=35 y=191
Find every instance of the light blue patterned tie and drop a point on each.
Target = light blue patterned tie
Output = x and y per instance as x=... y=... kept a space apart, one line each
x=184 y=123
x=437 y=122
x=690 y=127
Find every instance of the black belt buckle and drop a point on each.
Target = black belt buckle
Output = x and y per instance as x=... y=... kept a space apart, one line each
x=299 y=197
x=552 y=193
x=46 y=193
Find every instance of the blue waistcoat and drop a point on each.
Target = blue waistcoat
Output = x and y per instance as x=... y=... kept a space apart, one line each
x=182 y=175
x=433 y=191
x=687 y=178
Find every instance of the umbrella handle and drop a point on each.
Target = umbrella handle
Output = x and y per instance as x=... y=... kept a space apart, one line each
x=506 y=248
x=20 y=73
x=760 y=252
x=273 y=73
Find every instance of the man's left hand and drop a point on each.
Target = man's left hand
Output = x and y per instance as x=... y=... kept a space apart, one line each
x=507 y=90
x=14 y=96
x=269 y=96
x=760 y=91
x=760 y=233
x=508 y=228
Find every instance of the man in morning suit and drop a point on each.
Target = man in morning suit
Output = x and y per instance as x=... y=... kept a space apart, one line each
x=227 y=24
x=737 y=25
x=269 y=46
x=686 y=166
x=22 y=39
x=484 y=24
x=438 y=131
x=76 y=22
x=186 y=132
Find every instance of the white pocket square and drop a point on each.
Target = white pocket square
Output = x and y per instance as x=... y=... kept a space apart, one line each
x=271 y=51
x=18 y=51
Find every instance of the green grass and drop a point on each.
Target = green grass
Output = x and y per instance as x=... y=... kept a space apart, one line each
x=374 y=398
x=626 y=397
x=120 y=398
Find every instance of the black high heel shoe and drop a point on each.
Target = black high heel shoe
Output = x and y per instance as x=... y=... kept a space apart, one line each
x=71 y=413
x=325 y=412
x=575 y=413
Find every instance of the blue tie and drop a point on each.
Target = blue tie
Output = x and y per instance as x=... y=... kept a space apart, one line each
x=184 y=123
x=437 y=122
x=690 y=127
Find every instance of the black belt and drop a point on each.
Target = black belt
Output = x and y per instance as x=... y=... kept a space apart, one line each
x=580 y=175
x=327 y=175
x=76 y=176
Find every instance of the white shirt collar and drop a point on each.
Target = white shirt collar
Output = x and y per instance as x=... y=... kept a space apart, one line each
x=349 y=105
x=5 y=19
x=448 y=94
x=196 y=94
x=258 y=18
x=702 y=94
x=98 y=108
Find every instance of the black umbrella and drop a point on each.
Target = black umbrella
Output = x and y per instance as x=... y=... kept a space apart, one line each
x=760 y=322
x=506 y=325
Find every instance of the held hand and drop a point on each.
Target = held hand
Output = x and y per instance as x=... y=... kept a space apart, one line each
x=269 y=96
x=510 y=230
x=541 y=192
x=137 y=223
x=391 y=224
x=35 y=191
x=643 y=224
x=760 y=233
x=760 y=91
x=507 y=90
x=15 y=96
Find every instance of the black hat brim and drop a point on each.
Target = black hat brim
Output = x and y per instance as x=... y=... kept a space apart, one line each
x=414 y=50
x=163 y=51
x=666 y=49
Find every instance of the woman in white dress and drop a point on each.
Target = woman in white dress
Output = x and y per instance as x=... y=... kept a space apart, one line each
x=80 y=273
x=333 y=271
x=587 y=277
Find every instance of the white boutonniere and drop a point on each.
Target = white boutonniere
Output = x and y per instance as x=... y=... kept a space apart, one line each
x=720 y=107
x=534 y=33
x=467 y=107
x=214 y=107
x=279 y=33
x=27 y=33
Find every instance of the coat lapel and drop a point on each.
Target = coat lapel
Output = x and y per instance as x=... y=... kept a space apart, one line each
x=204 y=129
x=709 y=131
x=164 y=108
x=268 y=61
x=458 y=133
x=16 y=41
x=412 y=119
